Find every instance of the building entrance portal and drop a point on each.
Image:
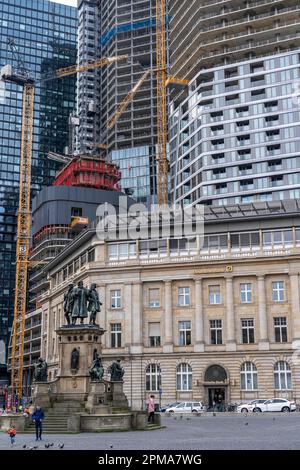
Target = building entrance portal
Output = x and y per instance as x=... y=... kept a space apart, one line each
x=216 y=398
x=216 y=382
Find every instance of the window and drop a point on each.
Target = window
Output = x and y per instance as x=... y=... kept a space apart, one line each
x=246 y=293
x=280 y=329
x=91 y=255
x=115 y=335
x=121 y=250
x=214 y=295
x=76 y=211
x=278 y=291
x=215 y=331
x=249 y=376
x=115 y=296
x=184 y=377
x=184 y=333
x=282 y=376
x=154 y=298
x=153 y=378
x=154 y=334
x=248 y=331
x=184 y=296
x=257 y=67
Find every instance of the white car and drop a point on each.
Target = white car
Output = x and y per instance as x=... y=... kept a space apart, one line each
x=276 y=404
x=186 y=407
x=245 y=407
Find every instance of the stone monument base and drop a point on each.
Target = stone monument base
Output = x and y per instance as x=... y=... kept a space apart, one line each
x=97 y=399
x=119 y=399
x=41 y=394
x=85 y=405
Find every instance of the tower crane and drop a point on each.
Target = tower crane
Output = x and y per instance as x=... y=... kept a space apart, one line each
x=21 y=76
x=125 y=102
x=162 y=120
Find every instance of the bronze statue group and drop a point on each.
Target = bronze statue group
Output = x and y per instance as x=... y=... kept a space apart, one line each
x=79 y=301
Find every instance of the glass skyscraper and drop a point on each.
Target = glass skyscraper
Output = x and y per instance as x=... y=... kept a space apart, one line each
x=46 y=35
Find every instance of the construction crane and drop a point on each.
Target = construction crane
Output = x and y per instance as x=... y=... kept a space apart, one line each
x=21 y=76
x=163 y=81
x=162 y=120
x=125 y=102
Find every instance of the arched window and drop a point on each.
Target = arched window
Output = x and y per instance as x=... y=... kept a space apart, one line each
x=282 y=376
x=248 y=376
x=184 y=377
x=153 y=378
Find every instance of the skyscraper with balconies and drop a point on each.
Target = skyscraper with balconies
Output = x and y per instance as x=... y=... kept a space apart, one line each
x=106 y=29
x=234 y=132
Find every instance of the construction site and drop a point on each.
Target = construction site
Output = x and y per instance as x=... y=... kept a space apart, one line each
x=88 y=174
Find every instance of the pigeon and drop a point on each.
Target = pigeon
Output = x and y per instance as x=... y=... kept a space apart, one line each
x=47 y=446
x=111 y=446
x=24 y=446
x=181 y=417
x=35 y=447
x=52 y=444
x=274 y=419
x=61 y=446
x=188 y=419
x=246 y=424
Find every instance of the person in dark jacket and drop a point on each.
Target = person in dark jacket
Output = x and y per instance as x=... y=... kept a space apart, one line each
x=37 y=417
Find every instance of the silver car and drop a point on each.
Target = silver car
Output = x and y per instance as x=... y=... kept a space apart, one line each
x=186 y=407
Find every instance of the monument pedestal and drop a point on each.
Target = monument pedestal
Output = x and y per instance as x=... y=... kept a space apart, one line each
x=74 y=383
x=97 y=398
x=41 y=394
x=119 y=399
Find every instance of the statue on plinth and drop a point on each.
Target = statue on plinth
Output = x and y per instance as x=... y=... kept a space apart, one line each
x=94 y=305
x=96 y=370
x=40 y=371
x=68 y=303
x=75 y=359
x=116 y=371
x=80 y=295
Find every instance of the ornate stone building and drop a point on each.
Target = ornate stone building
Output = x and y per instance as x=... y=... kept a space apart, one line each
x=214 y=315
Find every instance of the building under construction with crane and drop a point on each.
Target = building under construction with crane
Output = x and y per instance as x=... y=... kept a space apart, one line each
x=45 y=36
x=82 y=171
x=106 y=29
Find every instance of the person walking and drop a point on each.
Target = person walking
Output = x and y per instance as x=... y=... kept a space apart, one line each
x=12 y=434
x=151 y=408
x=37 y=417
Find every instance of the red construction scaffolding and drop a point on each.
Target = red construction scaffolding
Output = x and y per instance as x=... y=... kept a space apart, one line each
x=91 y=172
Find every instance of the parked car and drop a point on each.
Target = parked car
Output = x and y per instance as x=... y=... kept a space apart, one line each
x=276 y=404
x=245 y=407
x=170 y=405
x=186 y=407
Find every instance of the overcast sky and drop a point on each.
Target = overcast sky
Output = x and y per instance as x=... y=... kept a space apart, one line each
x=72 y=3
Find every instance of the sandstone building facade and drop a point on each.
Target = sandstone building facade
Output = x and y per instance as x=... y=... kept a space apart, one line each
x=194 y=318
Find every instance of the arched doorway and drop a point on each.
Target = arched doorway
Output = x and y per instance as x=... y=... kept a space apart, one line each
x=216 y=385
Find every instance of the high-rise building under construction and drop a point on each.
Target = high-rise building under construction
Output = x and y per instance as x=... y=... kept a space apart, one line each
x=234 y=132
x=108 y=28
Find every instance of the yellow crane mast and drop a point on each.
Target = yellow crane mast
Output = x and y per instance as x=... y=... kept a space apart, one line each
x=21 y=77
x=125 y=102
x=22 y=245
x=162 y=120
